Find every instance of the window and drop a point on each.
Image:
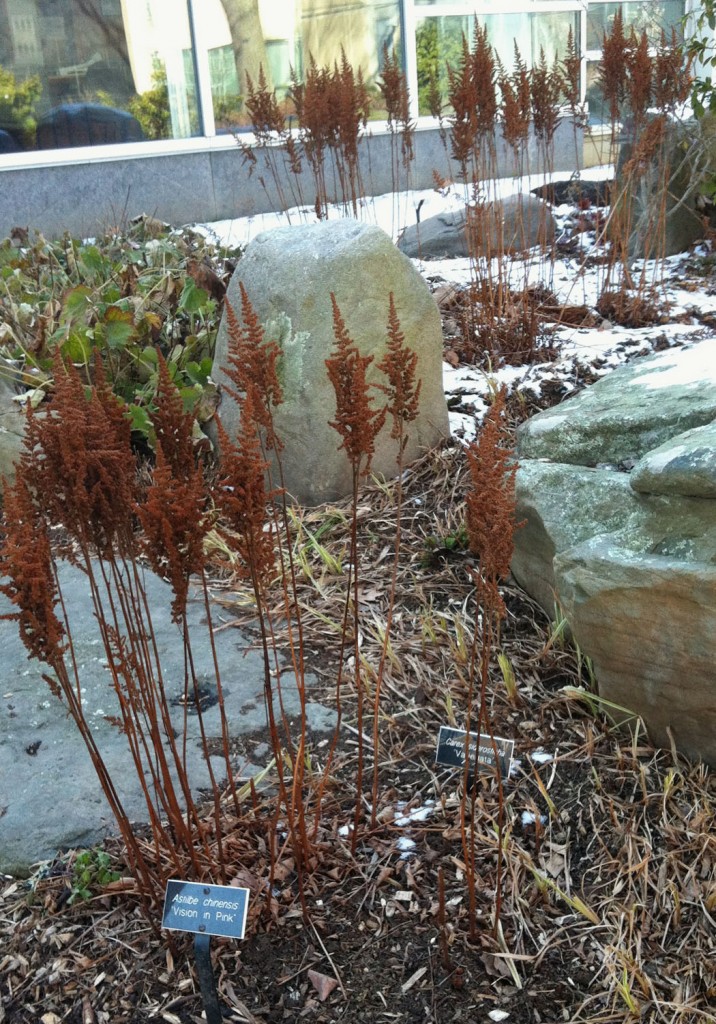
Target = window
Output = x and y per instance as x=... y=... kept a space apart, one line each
x=280 y=35
x=76 y=72
x=439 y=41
x=652 y=16
x=84 y=72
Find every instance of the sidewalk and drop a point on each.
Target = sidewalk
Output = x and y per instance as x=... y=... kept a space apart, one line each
x=50 y=797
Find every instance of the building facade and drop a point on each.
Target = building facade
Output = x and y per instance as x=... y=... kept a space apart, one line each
x=93 y=83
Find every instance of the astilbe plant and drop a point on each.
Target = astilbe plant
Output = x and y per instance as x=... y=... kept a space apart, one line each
x=515 y=108
x=27 y=566
x=332 y=108
x=252 y=499
x=252 y=367
x=399 y=365
x=358 y=424
x=546 y=84
x=473 y=97
x=572 y=86
x=175 y=519
x=613 y=69
x=499 y=319
x=84 y=481
x=275 y=141
x=311 y=101
x=394 y=91
x=472 y=93
x=643 y=87
x=491 y=525
x=353 y=106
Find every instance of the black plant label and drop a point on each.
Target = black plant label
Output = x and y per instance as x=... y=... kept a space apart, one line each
x=492 y=751
x=207 y=909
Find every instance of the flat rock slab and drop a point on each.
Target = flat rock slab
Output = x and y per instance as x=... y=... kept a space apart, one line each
x=630 y=557
x=686 y=464
x=628 y=413
x=50 y=797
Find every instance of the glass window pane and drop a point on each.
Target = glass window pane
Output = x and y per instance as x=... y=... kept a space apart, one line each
x=439 y=42
x=86 y=72
x=483 y=6
x=598 y=109
x=277 y=35
x=469 y=5
x=651 y=15
x=363 y=28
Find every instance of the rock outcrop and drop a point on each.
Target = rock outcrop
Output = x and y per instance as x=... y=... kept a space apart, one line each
x=289 y=274
x=515 y=224
x=50 y=797
x=618 y=487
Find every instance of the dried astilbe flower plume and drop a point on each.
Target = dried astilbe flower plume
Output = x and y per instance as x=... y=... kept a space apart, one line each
x=173 y=426
x=26 y=568
x=394 y=89
x=241 y=496
x=491 y=498
x=84 y=478
x=399 y=364
x=174 y=514
x=253 y=368
x=546 y=84
x=473 y=97
x=613 y=66
x=356 y=421
x=515 y=126
x=266 y=118
x=640 y=71
x=484 y=75
x=463 y=100
x=572 y=68
x=673 y=74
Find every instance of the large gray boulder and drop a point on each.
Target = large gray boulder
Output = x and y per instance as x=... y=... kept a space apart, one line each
x=515 y=224
x=289 y=274
x=685 y=464
x=630 y=557
x=659 y=196
x=12 y=427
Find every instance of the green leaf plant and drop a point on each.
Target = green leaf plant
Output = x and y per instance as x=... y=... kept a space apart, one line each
x=123 y=298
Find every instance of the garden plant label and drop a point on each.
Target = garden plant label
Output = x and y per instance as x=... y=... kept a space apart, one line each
x=491 y=750
x=205 y=909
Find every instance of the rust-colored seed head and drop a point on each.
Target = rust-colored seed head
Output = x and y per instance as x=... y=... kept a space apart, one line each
x=356 y=421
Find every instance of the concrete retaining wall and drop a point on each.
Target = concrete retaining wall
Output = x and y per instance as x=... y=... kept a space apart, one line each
x=208 y=180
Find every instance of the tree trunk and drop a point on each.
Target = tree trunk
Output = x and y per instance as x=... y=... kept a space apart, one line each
x=247 y=39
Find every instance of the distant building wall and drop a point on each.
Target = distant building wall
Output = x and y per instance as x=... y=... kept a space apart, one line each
x=207 y=184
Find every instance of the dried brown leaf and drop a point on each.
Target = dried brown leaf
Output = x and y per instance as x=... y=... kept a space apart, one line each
x=323 y=984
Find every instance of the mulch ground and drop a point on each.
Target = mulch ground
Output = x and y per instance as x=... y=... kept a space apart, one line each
x=607 y=892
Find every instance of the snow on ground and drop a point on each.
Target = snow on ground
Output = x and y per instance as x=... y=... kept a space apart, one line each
x=574 y=280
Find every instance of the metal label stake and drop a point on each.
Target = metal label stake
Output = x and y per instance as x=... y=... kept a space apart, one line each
x=207 y=981
x=206 y=910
